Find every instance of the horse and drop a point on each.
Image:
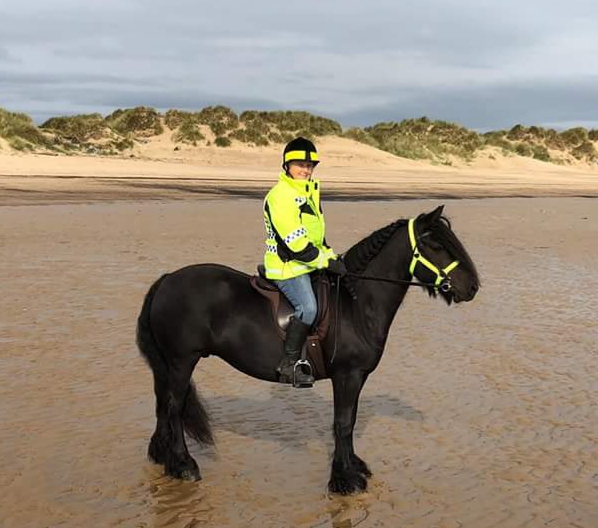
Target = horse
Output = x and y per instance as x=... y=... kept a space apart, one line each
x=211 y=309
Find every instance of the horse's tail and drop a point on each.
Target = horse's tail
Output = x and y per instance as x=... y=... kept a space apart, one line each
x=195 y=418
x=145 y=339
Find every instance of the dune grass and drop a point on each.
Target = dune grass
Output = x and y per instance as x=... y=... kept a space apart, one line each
x=77 y=129
x=422 y=138
x=188 y=132
x=20 y=132
x=139 y=121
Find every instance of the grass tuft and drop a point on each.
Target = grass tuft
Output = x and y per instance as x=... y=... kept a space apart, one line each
x=140 y=121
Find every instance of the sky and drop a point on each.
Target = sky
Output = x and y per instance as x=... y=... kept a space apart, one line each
x=485 y=65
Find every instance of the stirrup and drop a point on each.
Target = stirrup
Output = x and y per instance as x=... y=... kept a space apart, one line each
x=301 y=380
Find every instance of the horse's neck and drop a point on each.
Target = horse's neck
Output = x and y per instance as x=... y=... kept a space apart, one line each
x=381 y=300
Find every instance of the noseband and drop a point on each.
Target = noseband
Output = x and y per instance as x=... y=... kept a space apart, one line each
x=443 y=280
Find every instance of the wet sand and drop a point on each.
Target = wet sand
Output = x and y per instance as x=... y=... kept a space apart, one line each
x=349 y=170
x=479 y=415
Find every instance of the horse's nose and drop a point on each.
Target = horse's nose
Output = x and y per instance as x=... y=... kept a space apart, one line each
x=473 y=290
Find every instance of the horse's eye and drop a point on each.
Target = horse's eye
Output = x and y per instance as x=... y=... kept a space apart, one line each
x=434 y=245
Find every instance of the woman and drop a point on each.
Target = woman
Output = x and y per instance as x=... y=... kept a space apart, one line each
x=296 y=246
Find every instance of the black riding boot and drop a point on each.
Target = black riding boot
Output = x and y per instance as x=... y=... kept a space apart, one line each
x=297 y=333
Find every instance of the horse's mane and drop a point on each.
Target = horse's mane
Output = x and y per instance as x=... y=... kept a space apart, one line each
x=359 y=256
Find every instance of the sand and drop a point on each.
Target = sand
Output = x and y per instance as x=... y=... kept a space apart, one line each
x=479 y=415
x=349 y=168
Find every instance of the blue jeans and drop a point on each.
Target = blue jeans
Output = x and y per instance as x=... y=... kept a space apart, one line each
x=300 y=294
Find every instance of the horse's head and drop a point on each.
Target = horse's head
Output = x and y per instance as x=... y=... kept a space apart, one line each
x=440 y=258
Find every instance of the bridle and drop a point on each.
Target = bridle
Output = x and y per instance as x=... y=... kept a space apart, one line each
x=442 y=281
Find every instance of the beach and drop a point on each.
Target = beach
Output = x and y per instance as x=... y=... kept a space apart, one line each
x=350 y=170
x=480 y=414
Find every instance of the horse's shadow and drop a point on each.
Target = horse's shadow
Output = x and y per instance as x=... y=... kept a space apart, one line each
x=292 y=417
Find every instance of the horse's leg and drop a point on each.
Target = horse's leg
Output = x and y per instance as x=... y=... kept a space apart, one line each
x=356 y=461
x=178 y=461
x=160 y=439
x=348 y=471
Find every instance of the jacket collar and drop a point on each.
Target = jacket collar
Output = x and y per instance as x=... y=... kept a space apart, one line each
x=303 y=187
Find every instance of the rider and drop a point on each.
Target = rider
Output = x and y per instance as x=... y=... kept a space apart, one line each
x=296 y=245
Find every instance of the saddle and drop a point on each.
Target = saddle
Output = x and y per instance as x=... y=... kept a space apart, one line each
x=282 y=310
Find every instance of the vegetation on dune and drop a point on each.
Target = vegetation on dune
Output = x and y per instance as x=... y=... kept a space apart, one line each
x=255 y=130
x=280 y=137
x=140 y=121
x=574 y=136
x=498 y=138
x=282 y=126
x=20 y=131
x=89 y=133
x=297 y=122
x=250 y=136
x=262 y=128
x=438 y=141
x=585 y=151
x=358 y=134
x=523 y=149
x=220 y=119
x=537 y=142
x=222 y=141
x=420 y=139
x=188 y=132
x=540 y=152
x=114 y=146
x=174 y=118
x=78 y=129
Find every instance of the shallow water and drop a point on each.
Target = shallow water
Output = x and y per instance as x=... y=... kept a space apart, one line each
x=479 y=415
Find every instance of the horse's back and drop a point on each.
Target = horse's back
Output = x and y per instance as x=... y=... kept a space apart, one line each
x=213 y=309
x=200 y=292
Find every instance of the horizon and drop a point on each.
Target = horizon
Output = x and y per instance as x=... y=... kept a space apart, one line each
x=556 y=126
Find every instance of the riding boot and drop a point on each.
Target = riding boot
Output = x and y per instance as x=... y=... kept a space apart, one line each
x=297 y=332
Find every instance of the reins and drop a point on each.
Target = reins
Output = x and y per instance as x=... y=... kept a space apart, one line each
x=395 y=281
x=442 y=283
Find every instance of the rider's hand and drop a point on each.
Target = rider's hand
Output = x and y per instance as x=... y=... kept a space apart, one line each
x=337 y=267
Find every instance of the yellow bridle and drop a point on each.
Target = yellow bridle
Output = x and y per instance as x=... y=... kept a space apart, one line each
x=441 y=274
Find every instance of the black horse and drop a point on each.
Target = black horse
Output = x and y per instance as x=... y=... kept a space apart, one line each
x=209 y=309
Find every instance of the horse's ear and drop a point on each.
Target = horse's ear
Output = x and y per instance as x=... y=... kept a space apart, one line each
x=435 y=215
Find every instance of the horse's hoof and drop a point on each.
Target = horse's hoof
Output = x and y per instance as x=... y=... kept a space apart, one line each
x=347 y=482
x=187 y=470
x=360 y=466
x=192 y=475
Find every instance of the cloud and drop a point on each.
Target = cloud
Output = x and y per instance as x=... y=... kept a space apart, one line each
x=355 y=60
x=548 y=104
x=6 y=57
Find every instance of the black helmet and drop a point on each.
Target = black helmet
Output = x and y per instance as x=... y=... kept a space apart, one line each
x=300 y=149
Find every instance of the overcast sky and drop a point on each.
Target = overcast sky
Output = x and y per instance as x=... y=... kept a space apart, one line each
x=486 y=65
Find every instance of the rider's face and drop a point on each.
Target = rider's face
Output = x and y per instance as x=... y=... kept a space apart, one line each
x=301 y=170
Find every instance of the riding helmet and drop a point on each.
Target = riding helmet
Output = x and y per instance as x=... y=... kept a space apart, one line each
x=299 y=149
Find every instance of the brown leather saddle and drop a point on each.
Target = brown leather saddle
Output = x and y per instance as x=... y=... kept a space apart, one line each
x=282 y=311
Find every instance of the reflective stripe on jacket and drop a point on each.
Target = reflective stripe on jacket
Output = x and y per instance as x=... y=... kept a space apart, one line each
x=295 y=229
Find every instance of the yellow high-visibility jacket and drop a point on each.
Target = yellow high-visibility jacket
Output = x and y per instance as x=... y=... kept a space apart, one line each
x=295 y=229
